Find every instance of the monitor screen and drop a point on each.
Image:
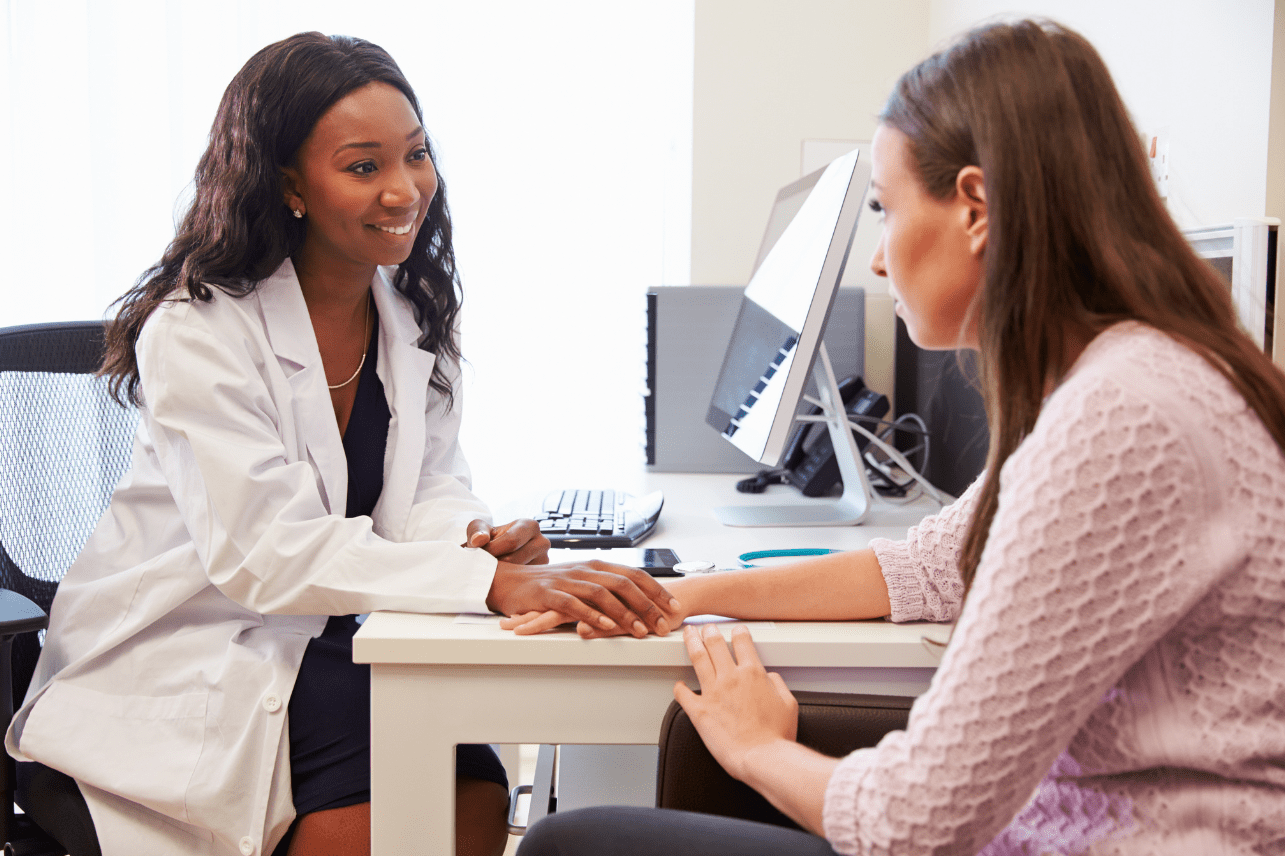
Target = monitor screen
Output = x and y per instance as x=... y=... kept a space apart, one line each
x=789 y=200
x=784 y=312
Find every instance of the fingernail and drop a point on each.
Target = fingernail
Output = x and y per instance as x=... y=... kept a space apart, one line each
x=674 y=605
x=606 y=622
x=662 y=626
x=640 y=628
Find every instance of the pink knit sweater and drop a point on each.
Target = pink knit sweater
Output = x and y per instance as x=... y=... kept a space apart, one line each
x=1116 y=682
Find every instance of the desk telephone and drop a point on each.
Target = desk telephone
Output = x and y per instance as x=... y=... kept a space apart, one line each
x=809 y=462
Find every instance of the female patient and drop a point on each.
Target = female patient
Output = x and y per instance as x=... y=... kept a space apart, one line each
x=1116 y=678
x=295 y=361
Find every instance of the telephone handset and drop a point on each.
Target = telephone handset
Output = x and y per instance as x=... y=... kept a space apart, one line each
x=809 y=462
x=812 y=467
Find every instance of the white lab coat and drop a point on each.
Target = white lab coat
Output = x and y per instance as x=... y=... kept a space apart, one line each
x=176 y=636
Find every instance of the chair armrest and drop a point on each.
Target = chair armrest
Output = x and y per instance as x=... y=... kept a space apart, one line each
x=835 y=724
x=19 y=615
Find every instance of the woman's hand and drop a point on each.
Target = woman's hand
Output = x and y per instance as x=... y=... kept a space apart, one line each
x=531 y=623
x=519 y=542
x=687 y=589
x=742 y=708
x=595 y=593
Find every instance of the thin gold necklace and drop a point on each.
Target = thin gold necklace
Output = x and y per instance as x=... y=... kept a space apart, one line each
x=365 y=327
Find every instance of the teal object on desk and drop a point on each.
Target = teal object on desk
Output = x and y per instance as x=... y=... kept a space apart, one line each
x=747 y=559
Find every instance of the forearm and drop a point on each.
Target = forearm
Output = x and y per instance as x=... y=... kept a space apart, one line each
x=793 y=778
x=837 y=587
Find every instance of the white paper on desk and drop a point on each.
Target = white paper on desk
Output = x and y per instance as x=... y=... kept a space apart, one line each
x=478 y=618
x=722 y=619
x=494 y=620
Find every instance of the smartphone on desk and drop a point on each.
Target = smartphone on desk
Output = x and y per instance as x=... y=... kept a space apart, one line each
x=657 y=561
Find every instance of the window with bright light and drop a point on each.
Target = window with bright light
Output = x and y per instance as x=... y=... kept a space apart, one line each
x=563 y=132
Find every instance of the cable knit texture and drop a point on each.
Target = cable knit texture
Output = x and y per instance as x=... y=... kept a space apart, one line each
x=1116 y=681
x=922 y=572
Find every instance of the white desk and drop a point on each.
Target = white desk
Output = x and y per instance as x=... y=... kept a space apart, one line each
x=436 y=683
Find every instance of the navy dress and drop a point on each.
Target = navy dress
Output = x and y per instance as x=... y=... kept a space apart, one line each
x=330 y=707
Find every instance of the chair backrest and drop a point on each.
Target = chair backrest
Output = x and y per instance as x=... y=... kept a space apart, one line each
x=64 y=444
x=835 y=724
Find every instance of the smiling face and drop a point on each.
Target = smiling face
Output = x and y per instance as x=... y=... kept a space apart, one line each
x=363 y=180
x=929 y=249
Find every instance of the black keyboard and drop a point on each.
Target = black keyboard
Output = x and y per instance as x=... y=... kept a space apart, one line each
x=598 y=518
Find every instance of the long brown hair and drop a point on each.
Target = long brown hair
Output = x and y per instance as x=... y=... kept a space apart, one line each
x=1078 y=236
x=237 y=230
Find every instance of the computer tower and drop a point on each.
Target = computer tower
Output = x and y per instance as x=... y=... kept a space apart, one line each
x=688 y=328
x=942 y=387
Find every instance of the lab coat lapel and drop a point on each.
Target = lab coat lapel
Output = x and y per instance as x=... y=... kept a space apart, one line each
x=404 y=370
x=289 y=331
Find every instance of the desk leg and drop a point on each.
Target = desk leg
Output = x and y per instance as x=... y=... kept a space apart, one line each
x=412 y=805
x=420 y=712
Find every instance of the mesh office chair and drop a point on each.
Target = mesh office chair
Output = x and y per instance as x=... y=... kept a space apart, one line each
x=63 y=446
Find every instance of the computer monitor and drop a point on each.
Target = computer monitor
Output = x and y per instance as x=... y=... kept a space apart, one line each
x=789 y=200
x=777 y=340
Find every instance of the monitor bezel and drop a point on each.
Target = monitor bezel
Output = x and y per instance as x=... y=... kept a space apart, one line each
x=817 y=317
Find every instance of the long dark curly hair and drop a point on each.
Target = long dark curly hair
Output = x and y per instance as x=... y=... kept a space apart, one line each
x=238 y=229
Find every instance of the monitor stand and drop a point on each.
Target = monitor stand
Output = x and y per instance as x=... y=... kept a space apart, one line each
x=846 y=510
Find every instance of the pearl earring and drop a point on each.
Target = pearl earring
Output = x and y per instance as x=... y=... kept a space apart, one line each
x=297 y=213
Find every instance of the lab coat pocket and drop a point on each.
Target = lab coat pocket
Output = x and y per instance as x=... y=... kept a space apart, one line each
x=143 y=748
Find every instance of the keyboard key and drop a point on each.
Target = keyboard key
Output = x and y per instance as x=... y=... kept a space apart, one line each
x=597 y=518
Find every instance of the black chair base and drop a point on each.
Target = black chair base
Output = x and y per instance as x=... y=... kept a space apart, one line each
x=29 y=840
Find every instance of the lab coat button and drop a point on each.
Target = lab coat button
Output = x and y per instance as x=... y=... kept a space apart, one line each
x=247 y=843
x=271 y=703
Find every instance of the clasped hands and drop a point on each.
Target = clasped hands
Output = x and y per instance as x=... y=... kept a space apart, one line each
x=601 y=597
x=741 y=707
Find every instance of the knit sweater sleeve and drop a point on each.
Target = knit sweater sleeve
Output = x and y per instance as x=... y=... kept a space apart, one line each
x=1109 y=528
x=922 y=571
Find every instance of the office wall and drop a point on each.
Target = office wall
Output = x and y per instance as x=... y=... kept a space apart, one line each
x=1276 y=122
x=1199 y=70
x=769 y=75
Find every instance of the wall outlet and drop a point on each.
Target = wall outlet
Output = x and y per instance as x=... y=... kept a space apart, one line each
x=1158 y=155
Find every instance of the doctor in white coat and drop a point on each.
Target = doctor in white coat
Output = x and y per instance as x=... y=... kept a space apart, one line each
x=318 y=240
